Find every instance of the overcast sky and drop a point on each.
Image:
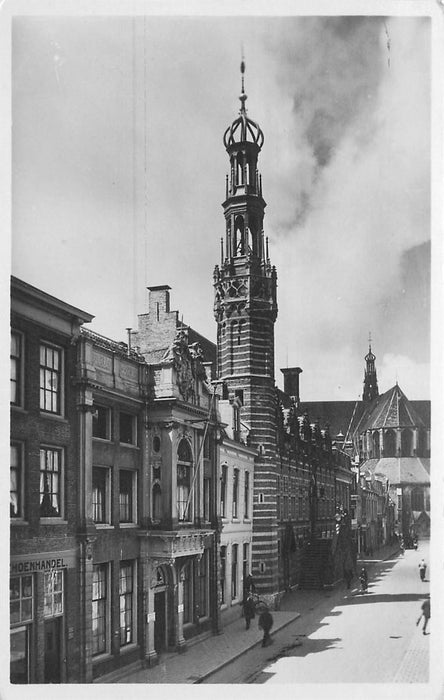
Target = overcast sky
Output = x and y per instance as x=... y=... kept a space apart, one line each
x=118 y=174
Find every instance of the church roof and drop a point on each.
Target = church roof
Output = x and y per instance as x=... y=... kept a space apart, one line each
x=407 y=470
x=391 y=410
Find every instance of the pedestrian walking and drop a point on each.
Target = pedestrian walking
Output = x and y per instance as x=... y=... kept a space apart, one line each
x=422 y=569
x=265 y=623
x=249 y=611
x=425 y=613
x=248 y=588
x=363 y=577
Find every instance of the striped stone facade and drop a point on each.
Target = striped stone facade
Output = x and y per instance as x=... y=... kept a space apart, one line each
x=245 y=310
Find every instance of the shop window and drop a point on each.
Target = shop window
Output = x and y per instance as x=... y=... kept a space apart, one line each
x=51 y=378
x=101 y=423
x=16 y=485
x=100 y=495
x=223 y=492
x=184 y=464
x=223 y=573
x=16 y=368
x=19 y=655
x=50 y=482
x=234 y=571
x=53 y=593
x=127 y=599
x=21 y=599
x=127 y=509
x=127 y=428
x=99 y=609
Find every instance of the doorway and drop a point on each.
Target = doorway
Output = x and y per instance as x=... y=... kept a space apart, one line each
x=20 y=655
x=160 y=627
x=52 y=650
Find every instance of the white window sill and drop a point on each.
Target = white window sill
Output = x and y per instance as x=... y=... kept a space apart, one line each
x=127 y=648
x=127 y=525
x=129 y=444
x=53 y=521
x=96 y=437
x=104 y=526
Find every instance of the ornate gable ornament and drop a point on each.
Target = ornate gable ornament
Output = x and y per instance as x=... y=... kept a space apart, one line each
x=187 y=362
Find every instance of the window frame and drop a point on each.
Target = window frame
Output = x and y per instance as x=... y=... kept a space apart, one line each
x=23 y=620
x=223 y=574
x=52 y=592
x=108 y=432
x=247 y=495
x=133 y=419
x=106 y=498
x=61 y=492
x=132 y=520
x=104 y=600
x=223 y=490
x=235 y=501
x=60 y=373
x=234 y=571
x=184 y=473
x=128 y=610
x=19 y=364
x=20 y=470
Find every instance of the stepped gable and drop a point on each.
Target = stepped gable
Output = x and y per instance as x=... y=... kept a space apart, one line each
x=406 y=470
x=391 y=410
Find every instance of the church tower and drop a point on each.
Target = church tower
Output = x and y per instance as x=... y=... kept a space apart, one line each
x=370 y=381
x=245 y=309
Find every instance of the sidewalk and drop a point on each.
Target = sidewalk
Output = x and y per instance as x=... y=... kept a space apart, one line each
x=205 y=657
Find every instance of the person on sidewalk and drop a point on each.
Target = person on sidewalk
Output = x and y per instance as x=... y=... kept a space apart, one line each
x=248 y=588
x=363 y=577
x=249 y=611
x=422 y=569
x=265 y=623
x=425 y=613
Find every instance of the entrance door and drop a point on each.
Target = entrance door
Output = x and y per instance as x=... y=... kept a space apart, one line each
x=160 y=621
x=52 y=650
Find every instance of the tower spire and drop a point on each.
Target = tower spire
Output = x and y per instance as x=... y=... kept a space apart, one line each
x=370 y=380
x=242 y=96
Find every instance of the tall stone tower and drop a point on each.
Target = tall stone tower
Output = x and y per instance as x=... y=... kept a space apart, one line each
x=245 y=309
x=371 y=390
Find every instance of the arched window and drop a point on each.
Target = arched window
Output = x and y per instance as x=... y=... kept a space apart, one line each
x=240 y=169
x=406 y=443
x=422 y=443
x=375 y=445
x=389 y=443
x=184 y=465
x=157 y=502
x=239 y=236
x=417 y=499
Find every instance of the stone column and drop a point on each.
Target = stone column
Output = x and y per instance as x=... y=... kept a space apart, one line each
x=151 y=657
x=178 y=602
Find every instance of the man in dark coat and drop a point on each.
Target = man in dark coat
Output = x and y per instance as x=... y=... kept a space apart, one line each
x=265 y=623
x=425 y=613
x=249 y=611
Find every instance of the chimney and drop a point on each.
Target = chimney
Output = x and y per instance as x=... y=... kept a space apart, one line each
x=291 y=382
x=159 y=301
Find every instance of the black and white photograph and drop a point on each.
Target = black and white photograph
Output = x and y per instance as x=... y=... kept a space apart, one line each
x=224 y=278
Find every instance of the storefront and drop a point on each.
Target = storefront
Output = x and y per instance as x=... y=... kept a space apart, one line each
x=40 y=630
